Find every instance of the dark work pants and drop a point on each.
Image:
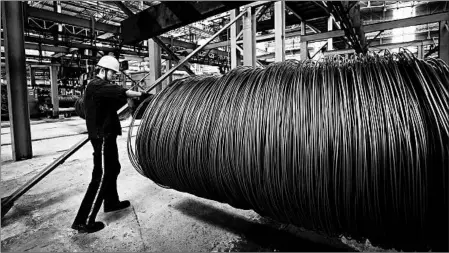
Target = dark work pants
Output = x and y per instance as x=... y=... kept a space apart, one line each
x=101 y=187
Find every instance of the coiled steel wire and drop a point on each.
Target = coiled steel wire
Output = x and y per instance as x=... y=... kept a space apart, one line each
x=356 y=147
x=67 y=101
x=79 y=108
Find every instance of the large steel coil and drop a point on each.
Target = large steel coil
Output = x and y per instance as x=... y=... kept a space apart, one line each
x=79 y=107
x=356 y=147
x=67 y=101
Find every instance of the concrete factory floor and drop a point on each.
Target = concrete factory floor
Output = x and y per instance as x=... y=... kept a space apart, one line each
x=158 y=220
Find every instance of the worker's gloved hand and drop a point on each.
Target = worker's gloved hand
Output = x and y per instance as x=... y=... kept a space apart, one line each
x=133 y=103
x=138 y=102
x=144 y=96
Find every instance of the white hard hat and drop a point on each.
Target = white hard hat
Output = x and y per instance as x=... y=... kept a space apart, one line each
x=109 y=62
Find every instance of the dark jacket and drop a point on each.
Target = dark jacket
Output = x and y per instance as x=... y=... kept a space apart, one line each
x=101 y=102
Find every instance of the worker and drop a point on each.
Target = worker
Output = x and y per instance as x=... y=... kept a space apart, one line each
x=102 y=99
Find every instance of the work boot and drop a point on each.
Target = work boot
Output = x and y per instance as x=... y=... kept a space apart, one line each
x=119 y=206
x=89 y=228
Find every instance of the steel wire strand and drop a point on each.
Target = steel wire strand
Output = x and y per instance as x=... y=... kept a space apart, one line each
x=391 y=99
x=355 y=147
x=438 y=149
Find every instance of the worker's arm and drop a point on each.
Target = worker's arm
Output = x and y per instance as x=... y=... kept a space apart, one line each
x=116 y=92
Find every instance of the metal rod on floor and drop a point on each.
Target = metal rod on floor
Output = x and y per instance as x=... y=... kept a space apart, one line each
x=8 y=202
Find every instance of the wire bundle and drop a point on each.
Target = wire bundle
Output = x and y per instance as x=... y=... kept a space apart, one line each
x=79 y=107
x=67 y=101
x=356 y=147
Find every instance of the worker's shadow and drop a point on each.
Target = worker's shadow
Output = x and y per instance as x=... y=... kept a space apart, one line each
x=257 y=236
x=109 y=218
x=28 y=204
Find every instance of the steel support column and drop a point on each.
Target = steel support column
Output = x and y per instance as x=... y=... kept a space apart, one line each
x=279 y=31
x=169 y=65
x=166 y=68
x=235 y=29
x=57 y=8
x=19 y=115
x=444 y=41
x=330 y=41
x=54 y=90
x=92 y=30
x=154 y=53
x=32 y=76
x=420 y=52
x=354 y=14
x=249 y=39
x=304 y=53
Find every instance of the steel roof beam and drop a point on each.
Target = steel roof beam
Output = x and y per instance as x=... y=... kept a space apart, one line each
x=67 y=19
x=159 y=19
x=123 y=7
x=419 y=20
